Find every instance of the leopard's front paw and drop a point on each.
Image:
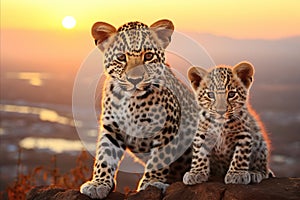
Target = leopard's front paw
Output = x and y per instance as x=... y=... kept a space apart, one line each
x=95 y=189
x=257 y=177
x=159 y=185
x=192 y=178
x=238 y=177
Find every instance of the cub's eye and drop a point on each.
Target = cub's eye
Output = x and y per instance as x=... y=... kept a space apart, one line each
x=211 y=95
x=231 y=94
x=121 y=57
x=148 y=56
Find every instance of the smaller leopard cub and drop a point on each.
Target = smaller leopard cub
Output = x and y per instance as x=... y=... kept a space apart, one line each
x=229 y=141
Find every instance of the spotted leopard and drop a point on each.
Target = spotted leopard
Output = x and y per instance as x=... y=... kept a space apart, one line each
x=230 y=141
x=145 y=108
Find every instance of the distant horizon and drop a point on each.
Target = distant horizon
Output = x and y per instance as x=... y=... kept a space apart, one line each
x=49 y=50
x=87 y=31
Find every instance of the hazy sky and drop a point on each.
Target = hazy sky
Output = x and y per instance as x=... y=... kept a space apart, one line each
x=267 y=19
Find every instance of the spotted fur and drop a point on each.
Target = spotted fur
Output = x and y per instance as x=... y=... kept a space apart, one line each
x=145 y=108
x=230 y=141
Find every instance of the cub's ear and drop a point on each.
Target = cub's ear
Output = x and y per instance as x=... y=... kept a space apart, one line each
x=196 y=75
x=101 y=31
x=245 y=71
x=164 y=29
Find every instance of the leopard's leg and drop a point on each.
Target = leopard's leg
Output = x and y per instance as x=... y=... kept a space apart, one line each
x=238 y=172
x=157 y=167
x=109 y=153
x=200 y=168
x=156 y=171
x=180 y=166
x=164 y=142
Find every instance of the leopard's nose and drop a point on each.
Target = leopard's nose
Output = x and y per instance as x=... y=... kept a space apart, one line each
x=135 y=81
x=135 y=75
x=221 y=112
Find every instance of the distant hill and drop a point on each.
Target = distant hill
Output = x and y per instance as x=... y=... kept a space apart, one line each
x=276 y=61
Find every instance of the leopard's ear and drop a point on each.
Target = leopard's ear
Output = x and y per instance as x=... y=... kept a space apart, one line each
x=196 y=75
x=164 y=29
x=101 y=31
x=245 y=71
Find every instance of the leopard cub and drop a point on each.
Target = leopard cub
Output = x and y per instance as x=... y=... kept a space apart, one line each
x=230 y=141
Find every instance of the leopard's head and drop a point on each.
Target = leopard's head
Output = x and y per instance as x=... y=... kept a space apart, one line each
x=223 y=90
x=133 y=53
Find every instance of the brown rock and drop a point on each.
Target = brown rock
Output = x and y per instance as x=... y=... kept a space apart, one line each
x=210 y=190
x=274 y=188
x=53 y=193
x=151 y=193
x=70 y=195
x=271 y=189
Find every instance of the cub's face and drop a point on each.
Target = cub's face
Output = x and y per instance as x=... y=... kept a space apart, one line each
x=222 y=91
x=134 y=52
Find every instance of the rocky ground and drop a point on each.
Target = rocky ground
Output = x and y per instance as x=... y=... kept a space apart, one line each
x=271 y=189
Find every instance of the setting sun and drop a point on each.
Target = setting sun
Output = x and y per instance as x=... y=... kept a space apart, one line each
x=69 y=22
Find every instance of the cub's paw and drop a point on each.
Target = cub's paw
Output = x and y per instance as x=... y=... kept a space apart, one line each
x=95 y=190
x=192 y=178
x=159 y=185
x=238 y=177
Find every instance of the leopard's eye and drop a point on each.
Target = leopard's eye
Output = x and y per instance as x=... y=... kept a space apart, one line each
x=121 y=57
x=211 y=95
x=148 y=56
x=231 y=94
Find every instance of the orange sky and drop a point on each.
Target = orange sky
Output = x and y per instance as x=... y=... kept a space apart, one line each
x=267 y=19
x=32 y=35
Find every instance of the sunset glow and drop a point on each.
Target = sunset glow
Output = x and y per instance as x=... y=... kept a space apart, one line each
x=238 y=19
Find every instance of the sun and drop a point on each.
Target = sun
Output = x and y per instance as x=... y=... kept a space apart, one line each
x=69 y=22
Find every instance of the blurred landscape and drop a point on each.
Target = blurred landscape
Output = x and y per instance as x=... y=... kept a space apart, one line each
x=36 y=100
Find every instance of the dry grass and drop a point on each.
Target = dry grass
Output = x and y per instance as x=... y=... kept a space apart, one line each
x=49 y=175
